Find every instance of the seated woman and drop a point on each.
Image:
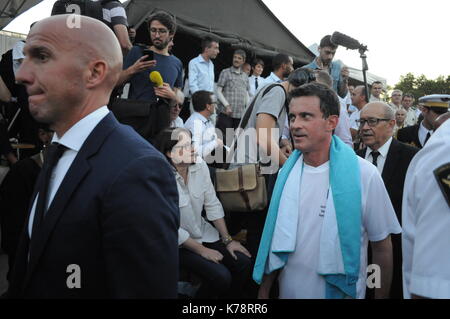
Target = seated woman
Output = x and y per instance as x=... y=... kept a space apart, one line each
x=205 y=250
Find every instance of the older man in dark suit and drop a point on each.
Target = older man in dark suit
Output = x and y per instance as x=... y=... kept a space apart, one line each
x=392 y=158
x=104 y=218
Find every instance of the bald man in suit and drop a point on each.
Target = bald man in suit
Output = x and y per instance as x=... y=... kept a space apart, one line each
x=104 y=215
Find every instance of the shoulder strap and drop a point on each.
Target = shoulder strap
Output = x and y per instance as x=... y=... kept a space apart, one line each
x=247 y=114
x=249 y=110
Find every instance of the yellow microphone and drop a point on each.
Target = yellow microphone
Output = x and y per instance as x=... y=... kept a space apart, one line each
x=156 y=78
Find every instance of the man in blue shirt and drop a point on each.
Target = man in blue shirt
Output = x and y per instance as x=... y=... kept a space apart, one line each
x=201 y=68
x=324 y=61
x=137 y=70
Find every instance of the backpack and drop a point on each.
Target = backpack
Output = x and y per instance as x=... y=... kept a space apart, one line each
x=93 y=9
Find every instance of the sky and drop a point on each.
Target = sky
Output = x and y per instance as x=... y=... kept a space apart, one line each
x=402 y=36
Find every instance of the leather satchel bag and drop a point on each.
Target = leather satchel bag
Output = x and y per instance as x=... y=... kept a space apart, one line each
x=242 y=189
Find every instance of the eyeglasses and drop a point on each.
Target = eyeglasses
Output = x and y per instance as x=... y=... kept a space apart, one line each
x=371 y=122
x=160 y=31
x=185 y=147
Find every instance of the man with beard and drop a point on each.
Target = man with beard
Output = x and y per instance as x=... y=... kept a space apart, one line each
x=324 y=61
x=137 y=69
x=282 y=65
x=232 y=93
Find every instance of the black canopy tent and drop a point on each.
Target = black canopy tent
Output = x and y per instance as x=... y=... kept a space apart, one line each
x=9 y=9
x=248 y=25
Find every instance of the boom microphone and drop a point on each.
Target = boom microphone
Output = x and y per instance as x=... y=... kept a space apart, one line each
x=341 y=39
x=156 y=78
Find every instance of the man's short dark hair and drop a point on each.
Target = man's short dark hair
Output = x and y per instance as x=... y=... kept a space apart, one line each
x=279 y=60
x=377 y=82
x=200 y=99
x=410 y=95
x=301 y=76
x=258 y=61
x=165 y=19
x=363 y=93
x=241 y=53
x=207 y=41
x=326 y=42
x=329 y=102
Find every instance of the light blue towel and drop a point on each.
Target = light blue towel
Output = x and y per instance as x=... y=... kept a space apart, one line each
x=346 y=192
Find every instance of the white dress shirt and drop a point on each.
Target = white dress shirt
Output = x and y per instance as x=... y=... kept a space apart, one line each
x=201 y=75
x=73 y=139
x=252 y=81
x=199 y=193
x=423 y=131
x=383 y=150
x=204 y=136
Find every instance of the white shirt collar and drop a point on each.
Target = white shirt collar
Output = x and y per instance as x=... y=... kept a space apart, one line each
x=383 y=150
x=275 y=77
x=424 y=129
x=79 y=132
x=201 y=117
x=202 y=59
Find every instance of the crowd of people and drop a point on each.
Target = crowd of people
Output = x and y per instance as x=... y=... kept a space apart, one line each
x=102 y=212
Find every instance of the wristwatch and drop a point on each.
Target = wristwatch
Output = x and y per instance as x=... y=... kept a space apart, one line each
x=226 y=240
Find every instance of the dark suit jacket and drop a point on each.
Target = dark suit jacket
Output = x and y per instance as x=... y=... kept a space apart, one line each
x=394 y=172
x=410 y=135
x=115 y=215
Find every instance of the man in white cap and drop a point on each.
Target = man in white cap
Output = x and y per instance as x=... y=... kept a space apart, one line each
x=426 y=214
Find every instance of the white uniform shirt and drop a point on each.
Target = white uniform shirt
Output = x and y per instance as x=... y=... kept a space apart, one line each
x=299 y=278
x=426 y=222
x=73 y=139
x=381 y=160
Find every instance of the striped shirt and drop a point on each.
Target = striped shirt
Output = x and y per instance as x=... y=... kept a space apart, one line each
x=114 y=14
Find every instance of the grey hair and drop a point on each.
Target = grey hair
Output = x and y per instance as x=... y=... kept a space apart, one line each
x=389 y=112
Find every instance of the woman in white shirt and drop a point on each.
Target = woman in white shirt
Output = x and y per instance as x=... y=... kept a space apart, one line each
x=206 y=249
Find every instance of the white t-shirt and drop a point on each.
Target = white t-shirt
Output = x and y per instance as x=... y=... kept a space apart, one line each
x=426 y=222
x=299 y=278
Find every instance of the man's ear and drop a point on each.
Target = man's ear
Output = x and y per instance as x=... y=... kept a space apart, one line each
x=96 y=73
x=333 y=121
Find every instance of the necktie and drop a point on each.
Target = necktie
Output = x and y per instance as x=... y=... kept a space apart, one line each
x=375 y=155
x=427 y=138
x=51 y=157
x=256 y=83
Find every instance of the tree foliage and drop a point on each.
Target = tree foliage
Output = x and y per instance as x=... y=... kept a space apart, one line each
x=420 y=86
